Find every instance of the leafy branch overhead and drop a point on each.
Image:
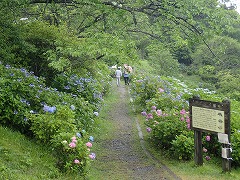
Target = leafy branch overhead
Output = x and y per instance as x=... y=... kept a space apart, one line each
x=115 y=31
x=184 y=15
x=175 y=23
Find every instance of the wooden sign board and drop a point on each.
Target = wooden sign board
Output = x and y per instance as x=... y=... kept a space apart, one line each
x=213 y=117
x=210 y=116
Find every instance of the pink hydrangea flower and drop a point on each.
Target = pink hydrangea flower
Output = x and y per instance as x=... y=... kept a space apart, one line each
x=72 y=145
x=149 y=116
x=159 y=112
x=144 y=113
x=160 y=90
x=74 y=141
x=76 y=161
x=204 y=150
x=208 y=138
x=182 y=118
x=188 y=120
x=183 y=112
x=88 y=144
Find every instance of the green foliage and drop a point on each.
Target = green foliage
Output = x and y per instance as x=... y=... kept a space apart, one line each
x=91 y=86
x=165 y=128
x=228 y=84
x=183 y=146
x=235 y=129
x=235 y=136
x=17 y=95
x=46 y=126
x=73 y=150
x=161 y=59
x=142 y=92
x=217 y=69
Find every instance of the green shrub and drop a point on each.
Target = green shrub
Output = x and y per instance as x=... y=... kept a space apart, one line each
x=183 y=146
x=235 y=136
x=164 y=127
x=73 y=151
x=49 y=124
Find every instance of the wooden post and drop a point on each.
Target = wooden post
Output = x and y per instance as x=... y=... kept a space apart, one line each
x=226 y=163
x=198 y=151
x=198 y=154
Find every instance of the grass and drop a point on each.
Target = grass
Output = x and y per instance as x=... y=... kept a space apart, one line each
x=24 y=159
x=20 y=158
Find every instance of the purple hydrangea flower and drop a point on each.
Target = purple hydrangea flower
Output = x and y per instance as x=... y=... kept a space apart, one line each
x=154 y=107
x=207 y=158
x=92 y=156
x=149 y=129
x=144 y=113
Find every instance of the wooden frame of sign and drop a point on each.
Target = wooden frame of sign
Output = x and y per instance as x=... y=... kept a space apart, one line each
x=212 y=117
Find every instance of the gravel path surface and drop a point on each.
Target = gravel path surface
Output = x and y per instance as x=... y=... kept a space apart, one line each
x=126 y=149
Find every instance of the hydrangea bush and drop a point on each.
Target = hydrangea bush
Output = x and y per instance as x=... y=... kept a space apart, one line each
x=163 y=102
x=48 y=115
x=74 y=151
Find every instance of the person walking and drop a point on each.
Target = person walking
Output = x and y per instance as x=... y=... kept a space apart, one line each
x=126 y=77
x=118 y=74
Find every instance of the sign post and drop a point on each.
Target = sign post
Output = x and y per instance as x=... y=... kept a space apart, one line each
x=213 y=117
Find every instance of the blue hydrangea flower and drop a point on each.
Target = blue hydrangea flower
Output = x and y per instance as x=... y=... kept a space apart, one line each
x=91 y=138
x=95 y=113
x=7 y=66
x=49 y=108
x=83 y=131
x=67 y=87
x=78 y=135
x=72 y=107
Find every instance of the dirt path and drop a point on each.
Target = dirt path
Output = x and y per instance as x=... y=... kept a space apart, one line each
x=126 y=157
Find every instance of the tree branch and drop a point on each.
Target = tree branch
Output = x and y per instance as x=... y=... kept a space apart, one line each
x=155 y=36
x=98 y=18
x=50 y=1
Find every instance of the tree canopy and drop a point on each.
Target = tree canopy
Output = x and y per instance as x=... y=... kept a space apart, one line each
x=62 y=35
